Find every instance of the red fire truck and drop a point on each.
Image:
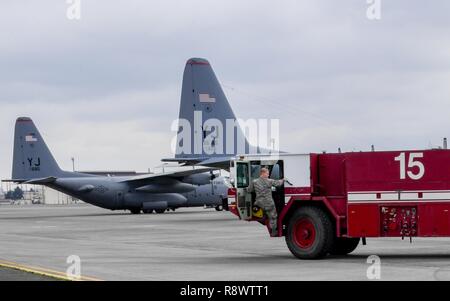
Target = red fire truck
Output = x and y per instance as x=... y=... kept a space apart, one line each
x=333 y=201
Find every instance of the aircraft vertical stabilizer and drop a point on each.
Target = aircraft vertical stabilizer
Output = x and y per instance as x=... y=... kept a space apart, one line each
x=32 y=158
x=203 y=97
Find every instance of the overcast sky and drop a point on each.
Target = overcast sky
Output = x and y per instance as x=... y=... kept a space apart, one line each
x=106 y=88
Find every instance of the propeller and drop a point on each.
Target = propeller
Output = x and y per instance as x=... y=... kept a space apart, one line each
x=213 y=175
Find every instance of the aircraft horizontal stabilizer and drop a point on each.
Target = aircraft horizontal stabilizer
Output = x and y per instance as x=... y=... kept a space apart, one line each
x=186 y=161
x=14 y=181
x=41 y=181
x=174 y=174
x=220 y=162
x=212 y=162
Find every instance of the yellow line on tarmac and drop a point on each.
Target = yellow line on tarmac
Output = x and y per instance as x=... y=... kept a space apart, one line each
x=44 y=271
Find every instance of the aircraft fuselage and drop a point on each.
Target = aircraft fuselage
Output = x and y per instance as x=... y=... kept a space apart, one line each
x=112 y=193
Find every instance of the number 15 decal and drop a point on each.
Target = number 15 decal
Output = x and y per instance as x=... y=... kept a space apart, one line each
x=411 y=163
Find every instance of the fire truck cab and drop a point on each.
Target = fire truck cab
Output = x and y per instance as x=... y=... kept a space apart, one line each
x=247 y=171
x=332 y=201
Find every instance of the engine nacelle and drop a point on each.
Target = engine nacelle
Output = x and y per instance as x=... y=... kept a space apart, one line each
x=155 y=205
x=173 y=187
x=155 y=200
x=199 y=179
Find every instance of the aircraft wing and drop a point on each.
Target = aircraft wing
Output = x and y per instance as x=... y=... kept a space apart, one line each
x=173 y=174
x=32 y=181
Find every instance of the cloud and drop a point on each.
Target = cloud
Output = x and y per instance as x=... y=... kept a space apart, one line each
x=106 y=88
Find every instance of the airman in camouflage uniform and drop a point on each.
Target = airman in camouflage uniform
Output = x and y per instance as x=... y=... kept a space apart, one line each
x=263 y=189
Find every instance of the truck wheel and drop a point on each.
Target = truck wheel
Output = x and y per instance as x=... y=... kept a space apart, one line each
x=219 y=208
x=159 y=211
x=310 y=233
x=135 y=211
x=147 y=211
x=344 y=245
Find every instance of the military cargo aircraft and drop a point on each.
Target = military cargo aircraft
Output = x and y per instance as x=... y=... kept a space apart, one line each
x=202 y=100
x=33 y=163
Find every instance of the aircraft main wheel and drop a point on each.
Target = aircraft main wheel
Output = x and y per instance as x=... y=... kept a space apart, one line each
x=135 y=211
x=219 y=208
x=344 y=245
x=159 y=211
x=310 y=233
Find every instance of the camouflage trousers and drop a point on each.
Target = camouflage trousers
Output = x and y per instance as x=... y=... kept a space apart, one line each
x=271 y=214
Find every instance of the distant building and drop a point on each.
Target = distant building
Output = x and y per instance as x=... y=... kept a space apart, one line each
x=53 y=197
x=34 y=195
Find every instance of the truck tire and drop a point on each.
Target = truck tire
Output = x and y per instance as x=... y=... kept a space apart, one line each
x=310 y=233
x=160 y=211
x=344 y=245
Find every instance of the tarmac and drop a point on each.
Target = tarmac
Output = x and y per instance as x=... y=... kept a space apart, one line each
x=188 y=244
x=9 y=274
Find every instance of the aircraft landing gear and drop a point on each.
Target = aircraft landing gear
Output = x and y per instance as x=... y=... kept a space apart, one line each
x=225 y=205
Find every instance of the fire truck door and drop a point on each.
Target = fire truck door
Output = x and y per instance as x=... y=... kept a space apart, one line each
x=244 y=197
x=277 y=173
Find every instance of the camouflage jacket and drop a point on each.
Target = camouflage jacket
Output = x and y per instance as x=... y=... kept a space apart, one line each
x=263 y=189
